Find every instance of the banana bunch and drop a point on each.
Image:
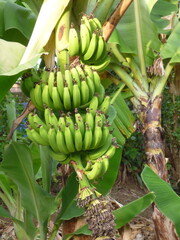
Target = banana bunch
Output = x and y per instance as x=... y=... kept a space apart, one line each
x=89 y=44
x=28 y=81
x=73 y=89
x=98 y=160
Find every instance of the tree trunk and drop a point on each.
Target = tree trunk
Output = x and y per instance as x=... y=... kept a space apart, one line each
x=154 y=148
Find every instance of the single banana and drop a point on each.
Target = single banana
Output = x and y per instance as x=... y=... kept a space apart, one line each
x=81 y=72
x=104 y=107
x=95 y=171
x=33 y=99
x=69 y=80
x=91 y=48
x=79 y=121
x=62 y=121
x=70 y=122
x=85 y=20
x=38 y=121
x=58 y=105
x=74 y=45
x=93 y=105
x=78 y=138
x=101 y=93
x=104 y=165
x=60 y=84
x=67 y=98
x=60 y=139
x=31 y=120
x=97 y=81
x=100 y=49
x=97 y=22
x=45 y=75
x=99 y=118
x=88 y=136
x=91 y=86
x=105 y=134
x=97 y=136
x=93 y=25
x=29 y=134
x=88 y=71
x=99 y=152
x=101 y=66
x=84 y=92
x=85 y=37
x=69 y=139
x=111 y=151
x=60 y=157
x=44 y=134
x=51 y=81
x=76 y=76
x=89 y=119
x=46 y=97
x=37 y=138
x=47 y=113
x=53 y=120
x=52 y=139
x=76 y=95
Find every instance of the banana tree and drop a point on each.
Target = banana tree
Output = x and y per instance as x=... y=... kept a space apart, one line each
x=128 y=58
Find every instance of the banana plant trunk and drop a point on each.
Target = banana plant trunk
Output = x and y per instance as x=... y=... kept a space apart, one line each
x=154 y=137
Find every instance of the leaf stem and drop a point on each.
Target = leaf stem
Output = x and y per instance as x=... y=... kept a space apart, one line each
x=139 y=40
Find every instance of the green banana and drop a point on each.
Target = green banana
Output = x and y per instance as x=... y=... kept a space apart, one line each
x=99 y=152
x=26 y=85
x=93 y=105
x=44 y=76
x=62 y=122
x=85 y=38
x=105 y=134
x=38 y=121
x=88 y=136
x=99 y=119
x=81 y=72
x=37 y=138
x=46 y=97
x=33 y=99
x=101 y=93
x=52 y=139
x=47 y=113
x=53 y=120
x=76 y=76
x=104 y=165
x=76 y=95
x=69 y=139
x=60 y=84
x=85 y=20
x=69 y=80
x=60 y=139
x=91 y=48
x=100 y=49
x=67 y=98
x=84 y=92
x=70 y=122
x=31 y=120
x=51 y=81
x=104 y=107
x=29 y=134
x=88 y=71
x=79 y=121
x=97 y=22
x=91 y=86
x=111 y=151
x=44 y=134
x=95 y=171
x=97 y=136
x=93 y=25
x=101 y=66
x=89 y=119
x=60 y=157
x=58 y=105
x=97 y=81
x=74 y=45
x=78 y=138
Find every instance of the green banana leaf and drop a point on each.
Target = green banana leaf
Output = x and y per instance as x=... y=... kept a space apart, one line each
x=17 y=165
x=69 y=207
x=126 y=213
x=172 y=49
x=149 y=35
x=166 y=199
x=10 y=67
x=19 y=226
x=161 y=9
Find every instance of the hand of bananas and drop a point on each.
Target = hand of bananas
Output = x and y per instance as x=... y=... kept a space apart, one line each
x=89 y=44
